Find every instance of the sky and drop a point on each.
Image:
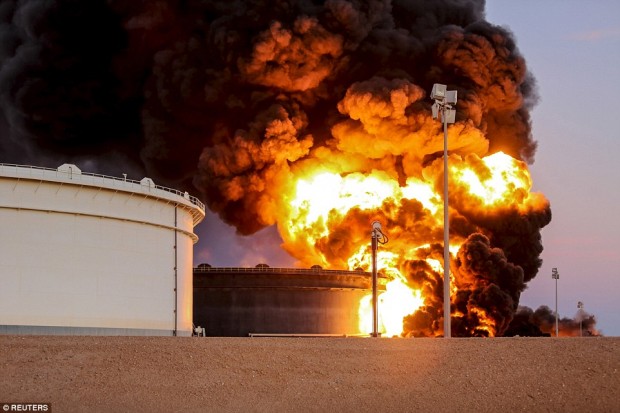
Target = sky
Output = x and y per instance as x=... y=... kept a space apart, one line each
x=573 y=50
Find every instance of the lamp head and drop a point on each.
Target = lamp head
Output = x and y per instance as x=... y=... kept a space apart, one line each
x=435 y=110
x=450 y=115
x=438 y=92
x=376 y=225
x=451 y=97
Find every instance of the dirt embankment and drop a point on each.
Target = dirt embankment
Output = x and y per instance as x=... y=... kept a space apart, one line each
x=155 y=374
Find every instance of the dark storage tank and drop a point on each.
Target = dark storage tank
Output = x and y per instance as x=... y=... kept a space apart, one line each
x=264 y=300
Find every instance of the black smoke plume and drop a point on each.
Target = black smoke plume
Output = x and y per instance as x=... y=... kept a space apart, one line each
x=223 y=91
x=541 y=323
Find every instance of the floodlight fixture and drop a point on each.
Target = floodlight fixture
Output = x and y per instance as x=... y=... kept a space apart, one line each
x=451 y=97
x=438 y=92
x=444 y=99
x=376 y=226
x=556 y=276
x=580 y=307
x=435 y=110
x=449 y=115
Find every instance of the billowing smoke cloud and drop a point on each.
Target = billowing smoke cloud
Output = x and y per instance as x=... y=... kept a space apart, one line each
x=233 y=98
x=179 y=86
x=541 y=322
x=58 y=88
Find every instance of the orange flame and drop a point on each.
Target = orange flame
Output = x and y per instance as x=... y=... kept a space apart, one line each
x=398 y=301
x=328 y=216
x=499 y=180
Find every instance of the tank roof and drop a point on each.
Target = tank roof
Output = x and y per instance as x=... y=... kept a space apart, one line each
x=273 y=277
x=71 y=174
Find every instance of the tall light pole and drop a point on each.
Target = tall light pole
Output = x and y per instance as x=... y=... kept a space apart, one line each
x=376 y=237
x=556 y=276
x=444 y=99
x=580 y=307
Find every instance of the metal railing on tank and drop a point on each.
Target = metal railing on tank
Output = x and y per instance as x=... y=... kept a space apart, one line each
x=202 y=268
x=38 y=172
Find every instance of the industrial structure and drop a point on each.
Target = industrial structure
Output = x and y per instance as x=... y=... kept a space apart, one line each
x=83 y=253
x=279 y=301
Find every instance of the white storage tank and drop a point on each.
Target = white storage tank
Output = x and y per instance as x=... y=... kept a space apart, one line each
x=91 y=254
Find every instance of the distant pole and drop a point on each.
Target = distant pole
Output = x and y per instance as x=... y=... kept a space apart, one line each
x=580 y=307
x=556 y=276
x=444 y=99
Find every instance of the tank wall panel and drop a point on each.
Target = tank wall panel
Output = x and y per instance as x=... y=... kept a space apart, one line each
x=240 y=311
x=116 y=281
x=185 y=247
x=90 y=258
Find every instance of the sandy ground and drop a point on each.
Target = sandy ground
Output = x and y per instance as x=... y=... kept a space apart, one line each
x=167 y=374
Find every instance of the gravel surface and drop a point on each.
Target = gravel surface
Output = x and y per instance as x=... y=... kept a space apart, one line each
x=168 y=374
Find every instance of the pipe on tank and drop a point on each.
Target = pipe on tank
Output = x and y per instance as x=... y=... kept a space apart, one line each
x=176 y=313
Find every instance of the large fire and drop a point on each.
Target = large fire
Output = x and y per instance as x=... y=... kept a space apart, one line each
x=325 y=202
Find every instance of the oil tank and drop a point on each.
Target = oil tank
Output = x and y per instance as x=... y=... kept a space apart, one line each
x=272 y=301
x=83 y=253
